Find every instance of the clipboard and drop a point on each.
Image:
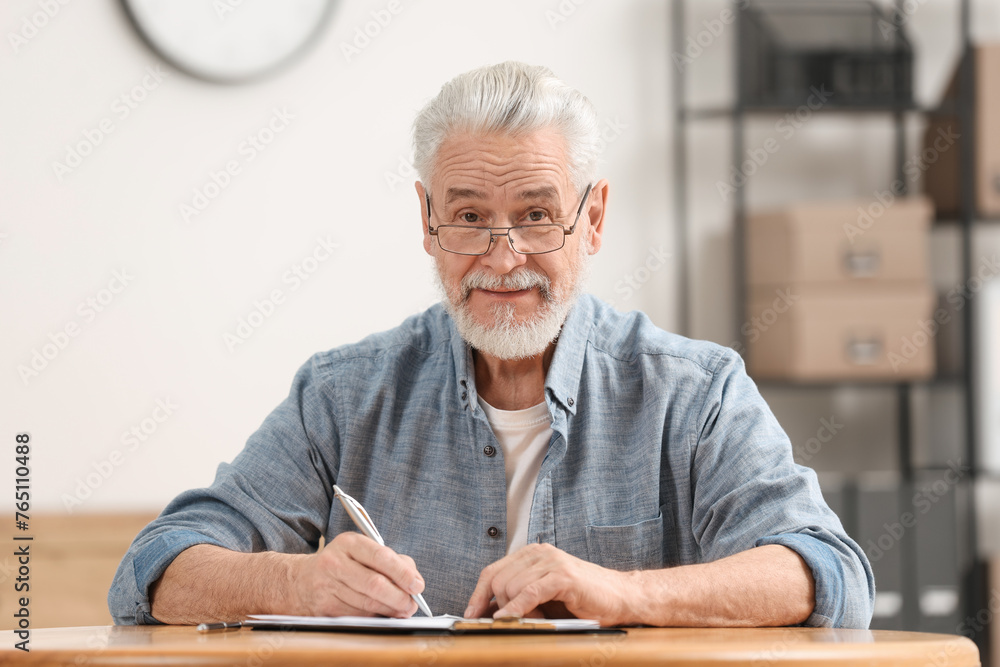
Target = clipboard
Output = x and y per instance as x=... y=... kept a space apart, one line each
x=529 y=626
x=446 y=624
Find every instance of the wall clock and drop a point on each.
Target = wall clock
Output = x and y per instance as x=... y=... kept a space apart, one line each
x=228 y=41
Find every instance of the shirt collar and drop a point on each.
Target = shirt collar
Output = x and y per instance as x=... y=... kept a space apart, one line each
x=563 y=379
x=562 y=383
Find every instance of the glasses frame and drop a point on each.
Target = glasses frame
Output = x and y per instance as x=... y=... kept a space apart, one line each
x=496 y=232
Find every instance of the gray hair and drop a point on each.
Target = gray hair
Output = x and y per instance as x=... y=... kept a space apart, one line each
x=510 y=98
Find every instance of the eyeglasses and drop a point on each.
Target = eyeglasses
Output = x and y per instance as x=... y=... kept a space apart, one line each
x=523 y=239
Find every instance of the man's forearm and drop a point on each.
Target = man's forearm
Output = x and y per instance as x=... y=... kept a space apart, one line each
x=209 y=583
x=765 y=586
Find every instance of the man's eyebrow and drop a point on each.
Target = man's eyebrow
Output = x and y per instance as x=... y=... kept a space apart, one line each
x=544 y=192
x=454 y=194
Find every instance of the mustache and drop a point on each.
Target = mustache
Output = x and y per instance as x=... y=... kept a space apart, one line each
x=516 y=280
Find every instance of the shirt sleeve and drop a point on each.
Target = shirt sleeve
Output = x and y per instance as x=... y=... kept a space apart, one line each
x=749 y=492
x=275 y=496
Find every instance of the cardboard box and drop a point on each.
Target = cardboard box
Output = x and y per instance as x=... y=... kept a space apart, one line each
x=841 y=243
x=941 y=155
x=840 y=333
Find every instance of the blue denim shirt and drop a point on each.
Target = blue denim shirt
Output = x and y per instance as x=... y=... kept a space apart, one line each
x=663 y=453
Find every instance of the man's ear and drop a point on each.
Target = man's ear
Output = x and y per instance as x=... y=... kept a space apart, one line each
x=595 y=211
x=423 y=195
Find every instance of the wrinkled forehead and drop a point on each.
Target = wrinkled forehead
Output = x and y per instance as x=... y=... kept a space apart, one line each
x=532 y=165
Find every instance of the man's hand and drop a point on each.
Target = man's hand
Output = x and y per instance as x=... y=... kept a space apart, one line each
x=355 y=576
x=352 y=575
x=539 y=574
x=765 y=586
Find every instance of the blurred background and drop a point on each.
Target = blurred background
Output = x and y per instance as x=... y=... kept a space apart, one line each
x=197 y=196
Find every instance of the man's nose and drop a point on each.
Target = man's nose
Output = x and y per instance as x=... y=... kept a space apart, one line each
x=501 y=256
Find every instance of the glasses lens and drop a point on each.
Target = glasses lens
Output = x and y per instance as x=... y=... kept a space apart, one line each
x=537 y=238
x=465 y=240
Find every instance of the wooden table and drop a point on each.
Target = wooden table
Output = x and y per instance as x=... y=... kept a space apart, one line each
x=181 y=645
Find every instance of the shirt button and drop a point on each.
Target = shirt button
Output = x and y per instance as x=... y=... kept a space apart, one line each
x=570 y=401
x=489 y=450
x=493 y=531
x=465 y=395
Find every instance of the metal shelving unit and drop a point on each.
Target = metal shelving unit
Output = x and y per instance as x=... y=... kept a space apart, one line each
x=974 y=587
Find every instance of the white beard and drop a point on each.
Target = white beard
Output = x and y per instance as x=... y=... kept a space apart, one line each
x=507 y=338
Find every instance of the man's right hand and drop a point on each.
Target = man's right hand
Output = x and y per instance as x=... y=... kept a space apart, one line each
x=355 y=576
x=352 y=575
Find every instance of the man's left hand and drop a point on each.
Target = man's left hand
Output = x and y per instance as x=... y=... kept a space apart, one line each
x=526 y=580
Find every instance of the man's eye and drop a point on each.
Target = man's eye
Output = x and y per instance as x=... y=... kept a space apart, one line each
x=471 y=218
x=537 y=216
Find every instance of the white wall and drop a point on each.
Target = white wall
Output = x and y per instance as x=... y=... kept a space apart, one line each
x=161 y=337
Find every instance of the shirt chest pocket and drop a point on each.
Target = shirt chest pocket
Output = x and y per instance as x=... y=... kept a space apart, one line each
x=635 y=547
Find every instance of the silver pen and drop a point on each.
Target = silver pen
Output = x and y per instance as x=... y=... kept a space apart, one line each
x=208 y=627
x=365 y=524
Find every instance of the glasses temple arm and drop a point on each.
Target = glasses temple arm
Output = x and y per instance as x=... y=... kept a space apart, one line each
x=579 y=211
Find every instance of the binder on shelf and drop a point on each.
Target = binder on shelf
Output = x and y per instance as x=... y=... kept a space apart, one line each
x=993 y=577
x=938 y=572
x=988 y=375
x=880 y=534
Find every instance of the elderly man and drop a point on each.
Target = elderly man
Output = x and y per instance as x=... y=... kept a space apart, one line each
x=523 y=449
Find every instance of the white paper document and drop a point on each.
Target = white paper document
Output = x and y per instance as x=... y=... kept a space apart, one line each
x=414 y=623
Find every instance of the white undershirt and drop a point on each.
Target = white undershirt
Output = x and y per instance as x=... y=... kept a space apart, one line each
x=524 y=439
